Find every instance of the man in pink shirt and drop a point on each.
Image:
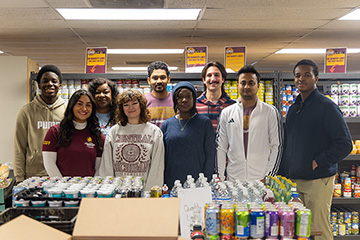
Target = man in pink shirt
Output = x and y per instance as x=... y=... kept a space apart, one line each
x=159 y=100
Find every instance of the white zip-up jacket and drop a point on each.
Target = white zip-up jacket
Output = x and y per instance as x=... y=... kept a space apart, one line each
x=264 y=142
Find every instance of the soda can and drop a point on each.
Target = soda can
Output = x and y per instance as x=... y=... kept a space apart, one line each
x=227 y=221
x=212 y=221
x=340 y=219
x=155 y=192
x=257 y=220
x=303 y=223
x=342 y=229
x=242 y=223
x=287 y=223
x=272 y=223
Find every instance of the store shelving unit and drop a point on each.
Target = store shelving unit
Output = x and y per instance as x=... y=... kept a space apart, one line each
x=347 y=237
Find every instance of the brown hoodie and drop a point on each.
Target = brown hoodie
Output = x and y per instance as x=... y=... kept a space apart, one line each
x=32 y=123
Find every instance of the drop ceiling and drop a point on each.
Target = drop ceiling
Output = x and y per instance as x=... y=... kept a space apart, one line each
x=35 y=29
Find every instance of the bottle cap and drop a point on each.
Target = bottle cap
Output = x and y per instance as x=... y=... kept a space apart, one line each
x=197 y=227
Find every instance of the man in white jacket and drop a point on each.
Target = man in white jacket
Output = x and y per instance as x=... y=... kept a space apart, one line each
x=249 y=133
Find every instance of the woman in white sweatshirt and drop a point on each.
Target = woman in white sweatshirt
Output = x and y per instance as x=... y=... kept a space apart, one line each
x=134 y=146
x=74 y=147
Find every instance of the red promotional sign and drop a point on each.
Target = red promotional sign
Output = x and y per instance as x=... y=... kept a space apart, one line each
x=335 y=60
x=96 y=60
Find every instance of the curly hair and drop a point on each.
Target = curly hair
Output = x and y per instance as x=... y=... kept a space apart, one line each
x=131 y=95
x=94 y=84
x=67 y=127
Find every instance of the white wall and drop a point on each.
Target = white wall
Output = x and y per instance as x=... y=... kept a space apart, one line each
x=14 y=75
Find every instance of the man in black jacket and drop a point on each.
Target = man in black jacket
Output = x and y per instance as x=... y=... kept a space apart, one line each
x=316 y=139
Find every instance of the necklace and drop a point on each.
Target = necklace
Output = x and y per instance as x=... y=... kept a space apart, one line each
x=181 y=126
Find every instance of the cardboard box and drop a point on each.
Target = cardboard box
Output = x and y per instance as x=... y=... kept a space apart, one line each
x=127 y=219
x=23 y=227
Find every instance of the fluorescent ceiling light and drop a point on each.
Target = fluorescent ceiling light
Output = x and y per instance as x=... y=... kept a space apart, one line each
x=354 y=15
x=128 y=14
x=145 y=51
x=312 y=51
x=138 y=68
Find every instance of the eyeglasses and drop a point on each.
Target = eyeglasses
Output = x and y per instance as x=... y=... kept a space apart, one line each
x=162 y=77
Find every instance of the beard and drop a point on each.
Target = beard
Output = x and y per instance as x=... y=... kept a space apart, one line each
x=159 y=88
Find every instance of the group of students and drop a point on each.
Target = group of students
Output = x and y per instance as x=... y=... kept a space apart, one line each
x=165 y=136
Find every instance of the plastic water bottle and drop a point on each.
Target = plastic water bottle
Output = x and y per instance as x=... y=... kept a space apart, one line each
x=174 y=190
x=223 y=195
x=234 y=195
x=213 y=181
x=199 y=180
x=189 y=179
x=257 y=197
